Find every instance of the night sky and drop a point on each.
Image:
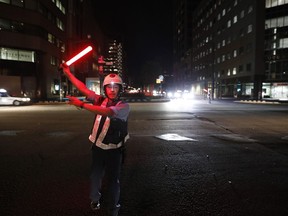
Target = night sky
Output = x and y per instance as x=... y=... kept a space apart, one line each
x=145 y=27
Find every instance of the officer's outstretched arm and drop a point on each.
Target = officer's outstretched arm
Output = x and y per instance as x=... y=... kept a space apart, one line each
x=104 y=111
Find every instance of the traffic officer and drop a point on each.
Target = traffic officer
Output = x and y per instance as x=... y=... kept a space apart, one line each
x=108 y=135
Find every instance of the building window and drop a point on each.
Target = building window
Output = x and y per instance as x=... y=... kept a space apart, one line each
x=235 y=53
x=240 y=68
x=249 y=29
x=283 y=43
x=228 y=23
x=228 y=56
x=234 y=71
x=248 y=67
x=4 y=24
x=228 y=72
x=249 y=47
x=250 y=9
x=235 y=19
x=274 y=3
x=241 y=50
x=53 y=60
x=59 y=24
x=242 y=14
x=241 y=32
x=5 y=1
x=19 y=3
x=229 y=40
x=51 y=38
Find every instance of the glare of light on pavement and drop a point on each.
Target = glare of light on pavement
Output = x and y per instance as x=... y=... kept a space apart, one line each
x=174 y=137
x=179 y=105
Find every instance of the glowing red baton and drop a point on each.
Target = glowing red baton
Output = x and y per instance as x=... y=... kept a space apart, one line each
x=79 y=55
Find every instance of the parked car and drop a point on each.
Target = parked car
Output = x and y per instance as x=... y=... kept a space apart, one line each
x=6 y=99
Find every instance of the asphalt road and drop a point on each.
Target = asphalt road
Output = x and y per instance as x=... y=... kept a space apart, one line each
x=232 y=160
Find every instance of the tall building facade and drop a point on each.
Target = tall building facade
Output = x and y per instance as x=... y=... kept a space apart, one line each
x=182 y=43
x=32 y=43
x=83 y=30
x=37 y=36
x=228 y=45
x=238 y=49
x=276 y=49
x=113 y=59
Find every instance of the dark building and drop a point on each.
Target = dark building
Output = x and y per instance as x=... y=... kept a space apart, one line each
x=113 y=57
x=83 y=30
x=32 y=44
x=36 y=36
x=237 y=48
x=276 y=50
x=182 y=44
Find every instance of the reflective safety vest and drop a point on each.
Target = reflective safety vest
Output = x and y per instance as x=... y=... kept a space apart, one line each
x=114 y=131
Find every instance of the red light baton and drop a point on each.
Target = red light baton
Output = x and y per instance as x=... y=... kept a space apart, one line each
x=79 y=55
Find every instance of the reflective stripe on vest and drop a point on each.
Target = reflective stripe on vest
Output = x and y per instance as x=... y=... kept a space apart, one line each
x=103 y=133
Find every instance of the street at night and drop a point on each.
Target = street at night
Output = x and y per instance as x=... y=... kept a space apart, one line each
x=183 y=158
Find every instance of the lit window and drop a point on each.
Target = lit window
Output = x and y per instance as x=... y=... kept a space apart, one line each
x=60 y=24
x=228 y=23
x=235 y=19
x=51 y=38
x=283 y=43
x=249 y=28
x=274 y=3
x=53 y=60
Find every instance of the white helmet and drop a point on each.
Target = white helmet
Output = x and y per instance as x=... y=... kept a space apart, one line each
x=112 y=79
